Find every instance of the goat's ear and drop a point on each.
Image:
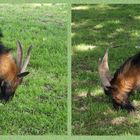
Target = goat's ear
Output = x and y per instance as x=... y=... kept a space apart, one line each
x=23 y=74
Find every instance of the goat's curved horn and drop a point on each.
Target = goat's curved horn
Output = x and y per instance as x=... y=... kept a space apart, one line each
x=27 y=59
x=104 y=72
x=19 y=55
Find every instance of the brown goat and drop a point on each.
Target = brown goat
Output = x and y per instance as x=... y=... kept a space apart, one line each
x=126 y=79
x=12 y=70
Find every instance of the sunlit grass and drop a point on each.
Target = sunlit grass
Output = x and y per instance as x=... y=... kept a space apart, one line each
x=83 y=7
x=40 y=103
x=84 y=47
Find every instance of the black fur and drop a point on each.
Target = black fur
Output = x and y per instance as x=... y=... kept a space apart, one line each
x=136 y=60
x=6 y=93
x=4 y=50
x=128 y=106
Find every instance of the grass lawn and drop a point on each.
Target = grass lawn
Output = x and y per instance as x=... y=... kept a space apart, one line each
x=40 y=103
x=95 y=28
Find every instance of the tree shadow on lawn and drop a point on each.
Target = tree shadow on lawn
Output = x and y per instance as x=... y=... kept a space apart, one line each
x=95 y=28
x=105 y=25
x=94 y=115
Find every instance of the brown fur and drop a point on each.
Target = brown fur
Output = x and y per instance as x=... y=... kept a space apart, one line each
x=12 y=70
x=8 y=68
x=125 y=80
x=9 y=71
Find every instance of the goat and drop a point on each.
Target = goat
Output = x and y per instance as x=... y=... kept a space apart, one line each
x=126 y=79
x=12 y=70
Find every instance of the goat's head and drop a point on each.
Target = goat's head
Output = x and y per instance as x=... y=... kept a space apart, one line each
x=114 y=87
x=106 y=79
x=13 y=77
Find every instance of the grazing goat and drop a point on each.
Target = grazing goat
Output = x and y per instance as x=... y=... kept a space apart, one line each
x=126 y=79
x=12 y=70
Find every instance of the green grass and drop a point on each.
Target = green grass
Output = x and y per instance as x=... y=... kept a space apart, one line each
x=40 y=103
x=95 y=28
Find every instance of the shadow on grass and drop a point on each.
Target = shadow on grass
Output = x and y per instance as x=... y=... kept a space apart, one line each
x=94 y=115
x=104 y=25
x=94 y=28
